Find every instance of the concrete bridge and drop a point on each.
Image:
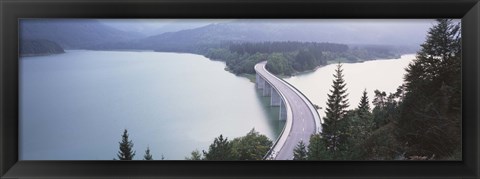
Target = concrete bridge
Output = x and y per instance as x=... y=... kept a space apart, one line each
x=302 y=119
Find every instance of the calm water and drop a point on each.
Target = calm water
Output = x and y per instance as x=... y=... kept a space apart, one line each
x=75 y=106
x=384 y=75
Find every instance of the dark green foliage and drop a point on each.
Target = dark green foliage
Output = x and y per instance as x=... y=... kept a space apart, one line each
x=364 y=105
x=317 y=149
x=126 y=148
x=386 y=108
x=220 y=149
x=252 y=146
x=147 y=155
x=430 y=121
x=272 y=47
x=333 y=126
x=195 y=155
x=279 y=64
x=304 y=60
x=382 y=144
x=39 y=47
x=300 y=151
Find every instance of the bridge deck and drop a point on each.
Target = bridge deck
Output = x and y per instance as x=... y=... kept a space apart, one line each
x=305 y=120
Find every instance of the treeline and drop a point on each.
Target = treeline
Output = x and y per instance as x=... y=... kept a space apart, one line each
x=286 y=58
x=252 y=146
x=420 y=121
x=126 y=151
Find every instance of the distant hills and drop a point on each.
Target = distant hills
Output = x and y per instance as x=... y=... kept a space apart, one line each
x=97 y=35
x=73 y=33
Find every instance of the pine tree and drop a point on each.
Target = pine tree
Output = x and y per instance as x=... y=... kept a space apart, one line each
x=317 y=148
x=126 y=148
x=147 y=155
x=195 y=155
x=336 y=109
x=221 y=149
x=430 y=117
x=300 y=151
x=364 y=105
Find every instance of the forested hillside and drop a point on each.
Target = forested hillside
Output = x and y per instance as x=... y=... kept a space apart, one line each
x=39 y=47
x=286 y=58
x=73 y=33
x=420 y=121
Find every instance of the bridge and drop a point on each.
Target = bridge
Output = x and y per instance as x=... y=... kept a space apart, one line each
x=302 y=119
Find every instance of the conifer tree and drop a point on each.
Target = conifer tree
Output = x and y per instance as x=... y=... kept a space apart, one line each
x=221 y=149
x=147 y=155
x=195 y=155
x=300 y=151
x=430 y=117
x=126 y=148
x=317 y=148
x=364 y=105
x=336 y=108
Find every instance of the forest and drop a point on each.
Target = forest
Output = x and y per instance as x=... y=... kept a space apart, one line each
x=288 y=58
x=420 y=121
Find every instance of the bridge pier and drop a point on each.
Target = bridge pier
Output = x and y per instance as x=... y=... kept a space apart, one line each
x=275 y=99
x=260 y=82
x=267 y=90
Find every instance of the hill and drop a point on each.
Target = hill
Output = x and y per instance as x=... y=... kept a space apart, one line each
x=39 y=47
x=73 y=34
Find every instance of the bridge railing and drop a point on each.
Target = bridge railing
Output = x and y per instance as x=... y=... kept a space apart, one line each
x=316 y=116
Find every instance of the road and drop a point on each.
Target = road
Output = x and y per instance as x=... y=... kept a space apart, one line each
x=304 y=122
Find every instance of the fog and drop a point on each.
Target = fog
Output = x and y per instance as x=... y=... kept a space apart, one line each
x=349 y=31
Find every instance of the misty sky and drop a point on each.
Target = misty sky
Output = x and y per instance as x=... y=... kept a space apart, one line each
x=389 y=31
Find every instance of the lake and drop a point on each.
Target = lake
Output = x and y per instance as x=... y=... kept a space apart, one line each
x=75 y=106
x=382 y=74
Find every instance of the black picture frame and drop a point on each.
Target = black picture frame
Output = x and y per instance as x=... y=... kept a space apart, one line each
x=12 y=10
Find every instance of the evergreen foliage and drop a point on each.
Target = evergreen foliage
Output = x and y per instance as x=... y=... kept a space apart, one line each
x=317 y=149
x=300 y=151
x=195 y=155
x=252 y=146
x=147 y=155
x=430 y=117
x=126 y=148
x=364 y=105
x=332 y=132
x=221 y=149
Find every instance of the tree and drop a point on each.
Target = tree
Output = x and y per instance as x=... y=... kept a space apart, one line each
x=147 y=155
x=430 y=116
x=126 y=148
x=336 y=109
x=317 y=148
x=221 y=149
x=252 y=146
x=364 y=105
x=300 y=151
x=195 y=155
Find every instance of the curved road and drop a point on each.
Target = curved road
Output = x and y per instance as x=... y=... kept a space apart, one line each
x=303 y=123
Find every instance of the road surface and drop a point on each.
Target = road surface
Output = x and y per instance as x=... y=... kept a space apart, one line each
x=304 y=122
